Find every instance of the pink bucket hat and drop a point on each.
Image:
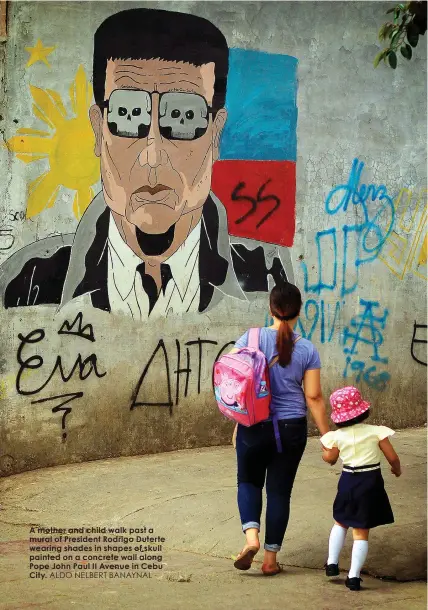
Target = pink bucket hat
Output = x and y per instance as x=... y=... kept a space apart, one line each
x=346 y=404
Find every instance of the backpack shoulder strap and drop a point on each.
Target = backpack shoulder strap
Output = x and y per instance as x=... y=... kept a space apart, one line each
x=276 y=358
x=253 y=338
x=273 y=361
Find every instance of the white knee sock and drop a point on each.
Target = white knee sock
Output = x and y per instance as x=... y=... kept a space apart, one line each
x=335 y=543
x=359 y=555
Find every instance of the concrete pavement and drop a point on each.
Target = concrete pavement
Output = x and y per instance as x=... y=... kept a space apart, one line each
x=189 y=497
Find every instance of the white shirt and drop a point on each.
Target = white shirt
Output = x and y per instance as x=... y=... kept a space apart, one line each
x=125 y=289
x=359 y=444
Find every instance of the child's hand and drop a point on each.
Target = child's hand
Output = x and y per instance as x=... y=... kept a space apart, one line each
x=330 y=455
x=391 y=456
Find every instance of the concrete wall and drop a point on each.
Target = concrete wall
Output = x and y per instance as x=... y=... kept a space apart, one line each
x=352 y=202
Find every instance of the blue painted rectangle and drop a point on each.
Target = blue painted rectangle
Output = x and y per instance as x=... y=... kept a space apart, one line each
x=261 y=105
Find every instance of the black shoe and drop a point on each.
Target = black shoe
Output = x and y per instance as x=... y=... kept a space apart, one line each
x=353 y=583
x=331 y=569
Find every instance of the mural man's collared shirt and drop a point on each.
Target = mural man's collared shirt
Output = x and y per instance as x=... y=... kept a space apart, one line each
x=74 y=267
x=180 y=285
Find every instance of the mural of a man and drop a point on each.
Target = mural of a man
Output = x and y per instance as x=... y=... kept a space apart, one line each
x=155 y=240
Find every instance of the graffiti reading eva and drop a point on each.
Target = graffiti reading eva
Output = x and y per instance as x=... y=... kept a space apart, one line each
x=83 y=367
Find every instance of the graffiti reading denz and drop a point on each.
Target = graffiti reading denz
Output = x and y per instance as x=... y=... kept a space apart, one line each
x=362 y=241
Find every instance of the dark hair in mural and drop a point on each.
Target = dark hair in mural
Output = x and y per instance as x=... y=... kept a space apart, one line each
x=142 y=33
x=285 y=304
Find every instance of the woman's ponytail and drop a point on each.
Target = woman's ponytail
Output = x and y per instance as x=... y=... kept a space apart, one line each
x=284 y=343
x=285 y=304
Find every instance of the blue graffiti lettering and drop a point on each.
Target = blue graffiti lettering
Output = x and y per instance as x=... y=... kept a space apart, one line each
x=377 y=382
x=376 y=209
x=268 y=320
x=315 y=313
x=330 y=249
x=332 y=326
x=366 y=329
x=366 y=322
x=357 y=193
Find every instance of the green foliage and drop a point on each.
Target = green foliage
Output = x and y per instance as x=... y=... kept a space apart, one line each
x=406 y=51
x=392 y=58
x=403 y=33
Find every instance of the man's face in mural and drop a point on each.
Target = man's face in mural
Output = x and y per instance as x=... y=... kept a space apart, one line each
x=158 y=140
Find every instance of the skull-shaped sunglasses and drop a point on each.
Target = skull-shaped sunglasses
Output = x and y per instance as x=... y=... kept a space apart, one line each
x=182 y=116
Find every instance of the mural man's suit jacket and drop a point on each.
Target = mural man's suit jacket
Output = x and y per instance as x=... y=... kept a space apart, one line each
x=57 y=269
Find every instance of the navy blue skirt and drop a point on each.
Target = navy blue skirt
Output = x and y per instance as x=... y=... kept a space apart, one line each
x=362 y=501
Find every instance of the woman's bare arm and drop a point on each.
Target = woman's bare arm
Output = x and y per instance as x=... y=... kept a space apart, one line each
x=315 y=399
x=235 y=431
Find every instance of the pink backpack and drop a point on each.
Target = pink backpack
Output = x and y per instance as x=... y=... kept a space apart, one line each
x=241 y=383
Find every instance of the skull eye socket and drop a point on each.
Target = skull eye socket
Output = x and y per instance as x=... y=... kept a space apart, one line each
x=182 y=116
x=129 y=113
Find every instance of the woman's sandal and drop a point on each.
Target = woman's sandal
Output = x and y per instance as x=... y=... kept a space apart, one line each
x=270 y=572
x=245 y=558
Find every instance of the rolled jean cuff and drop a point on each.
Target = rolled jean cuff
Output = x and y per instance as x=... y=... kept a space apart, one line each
x=249 y=524
x=274 y=548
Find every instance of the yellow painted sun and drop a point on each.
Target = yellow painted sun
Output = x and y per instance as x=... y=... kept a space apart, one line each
x=69 y=147
x=423 y=255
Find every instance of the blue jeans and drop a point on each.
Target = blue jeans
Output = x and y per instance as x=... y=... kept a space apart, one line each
x=258 y=459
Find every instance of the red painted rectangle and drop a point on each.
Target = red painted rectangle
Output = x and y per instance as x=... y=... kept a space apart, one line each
x=259 y=197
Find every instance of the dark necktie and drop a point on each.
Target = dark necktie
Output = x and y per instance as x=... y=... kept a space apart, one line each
x=149 y=284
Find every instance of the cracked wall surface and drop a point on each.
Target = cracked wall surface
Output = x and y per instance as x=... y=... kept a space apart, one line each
x=79 y=382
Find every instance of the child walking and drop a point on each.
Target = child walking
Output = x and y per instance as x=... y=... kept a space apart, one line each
x=361 y=501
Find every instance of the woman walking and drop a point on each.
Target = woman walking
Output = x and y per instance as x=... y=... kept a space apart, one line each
x=294 y=361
